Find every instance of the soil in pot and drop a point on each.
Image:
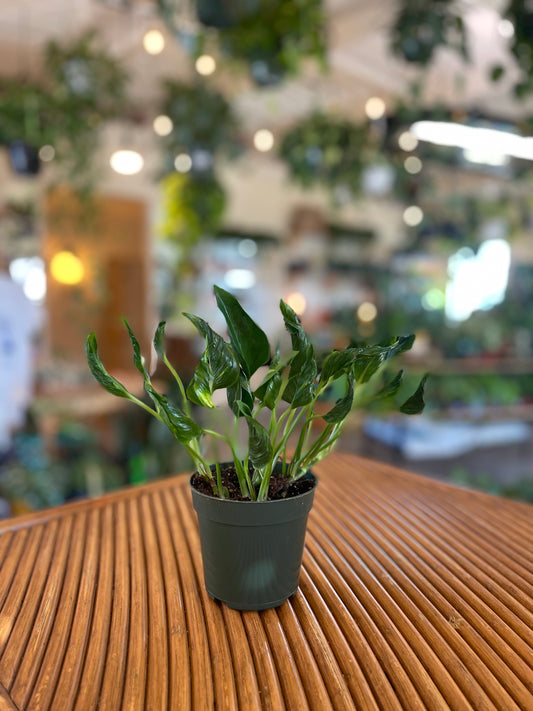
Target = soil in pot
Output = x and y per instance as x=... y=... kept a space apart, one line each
x=279 y=487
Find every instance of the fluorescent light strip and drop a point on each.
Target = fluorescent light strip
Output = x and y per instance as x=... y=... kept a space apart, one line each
x=472 y=138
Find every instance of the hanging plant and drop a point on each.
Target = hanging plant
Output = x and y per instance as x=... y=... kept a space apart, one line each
x=204 y=125
x=520 y=14
x=84 y=88
x=328 y=151
x=275 y=38
x=271 y=37
x=421 y=26
x=192 y=206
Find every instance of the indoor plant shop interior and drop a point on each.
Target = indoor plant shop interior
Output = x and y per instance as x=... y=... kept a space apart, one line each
x=312 y=170
x=271 y=230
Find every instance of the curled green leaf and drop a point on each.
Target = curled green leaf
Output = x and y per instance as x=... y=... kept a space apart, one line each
x=111 y=384
x=249 y=341
x=415 y=404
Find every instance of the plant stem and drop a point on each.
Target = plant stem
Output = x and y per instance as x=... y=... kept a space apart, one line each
x=186 y=404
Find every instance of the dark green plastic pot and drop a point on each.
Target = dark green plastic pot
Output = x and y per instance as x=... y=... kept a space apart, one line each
x=252 y=551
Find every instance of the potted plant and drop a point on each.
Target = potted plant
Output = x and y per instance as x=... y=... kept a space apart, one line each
x=253 y=510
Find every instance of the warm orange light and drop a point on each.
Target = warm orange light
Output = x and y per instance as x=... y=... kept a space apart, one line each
x=297 y=302
x=66 y=268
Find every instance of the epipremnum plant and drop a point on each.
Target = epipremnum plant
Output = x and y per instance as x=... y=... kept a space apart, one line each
x=289 y=393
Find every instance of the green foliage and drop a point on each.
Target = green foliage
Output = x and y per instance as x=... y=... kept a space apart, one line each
x=84 y=87
x=280 y=410
x=325 y=150
x=193 y=206
x=269 y=37
x=202 y=119
x=284 y=32
x=520 y=14
x=421 y=26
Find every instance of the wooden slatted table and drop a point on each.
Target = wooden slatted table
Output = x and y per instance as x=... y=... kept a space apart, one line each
x=414 y=595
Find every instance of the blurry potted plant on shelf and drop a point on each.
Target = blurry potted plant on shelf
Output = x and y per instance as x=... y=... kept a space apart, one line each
x=253 y=510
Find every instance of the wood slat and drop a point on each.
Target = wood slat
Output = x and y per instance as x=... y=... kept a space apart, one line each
x=413 y=595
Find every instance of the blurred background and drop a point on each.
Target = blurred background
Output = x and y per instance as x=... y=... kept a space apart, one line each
x=369 y=162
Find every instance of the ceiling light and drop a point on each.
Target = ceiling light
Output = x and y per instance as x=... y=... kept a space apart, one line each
x=127 y=162
x=66 y=268
x=205 y=65
x=375 y=108
x=407 y=141
x=263 y=140
x=239 y=278
x=490 y=141
x=413 y=216
x=154 y=42
x=183 y=162
x=163 y=125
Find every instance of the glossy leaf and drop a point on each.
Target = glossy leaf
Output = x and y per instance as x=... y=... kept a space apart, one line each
x=107 y=381
x=137 y=356
x=415 y=404
x=300 y=388
x=223 y=365
x=391 y=388
x=240 y=392
x=267 y=393
x=337 y=363
x=159 y=340
x=371 y=358
x=199 y=389
x=299 y=338
x=249 y=341
x=342 y=408
x=259 y=445
x=181 y=426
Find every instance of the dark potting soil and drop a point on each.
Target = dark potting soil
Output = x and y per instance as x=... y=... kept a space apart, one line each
x=279 y=487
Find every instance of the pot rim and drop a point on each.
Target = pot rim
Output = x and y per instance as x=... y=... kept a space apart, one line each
x=309 y=474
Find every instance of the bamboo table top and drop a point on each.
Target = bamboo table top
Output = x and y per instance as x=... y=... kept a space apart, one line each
x=413 y=595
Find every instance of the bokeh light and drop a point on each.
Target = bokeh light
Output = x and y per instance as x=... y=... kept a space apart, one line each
x=413 y=215
x=375 y=108
x=183 y=163
x=153 y=42
x=163 y=125
x=66 y=268
x=263 y=140
x=127 y=162
x=407 y=141
x=367 y=312
x=205 y=65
